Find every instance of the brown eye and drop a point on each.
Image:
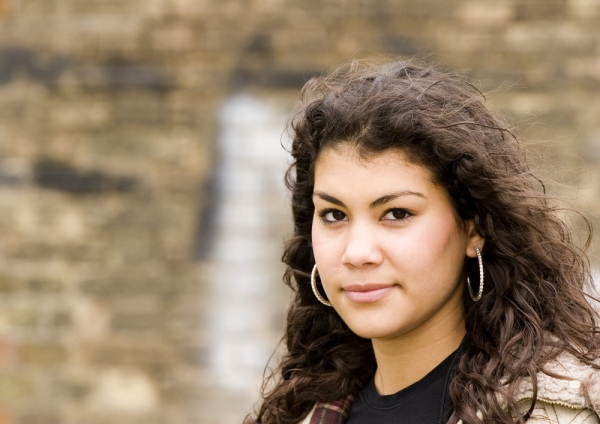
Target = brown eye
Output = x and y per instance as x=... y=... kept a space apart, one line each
x=337 y=215
x=397 y=215
x=333 y=215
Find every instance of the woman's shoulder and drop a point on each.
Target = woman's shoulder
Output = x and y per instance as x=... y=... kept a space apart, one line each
x=330 y=412
x=568 y=392
x=557 y=414
x=565 y=379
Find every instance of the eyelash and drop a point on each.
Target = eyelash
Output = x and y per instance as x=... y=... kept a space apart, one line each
x=322 y=214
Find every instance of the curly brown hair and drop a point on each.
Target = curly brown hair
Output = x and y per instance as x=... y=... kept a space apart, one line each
x=534 y=306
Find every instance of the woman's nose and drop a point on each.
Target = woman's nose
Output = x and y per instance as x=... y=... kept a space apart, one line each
x=362 y=247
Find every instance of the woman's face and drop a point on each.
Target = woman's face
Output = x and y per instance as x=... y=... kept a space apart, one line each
x=388 y=247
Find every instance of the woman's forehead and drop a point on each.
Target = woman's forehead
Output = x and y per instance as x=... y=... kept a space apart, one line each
x=351 y=155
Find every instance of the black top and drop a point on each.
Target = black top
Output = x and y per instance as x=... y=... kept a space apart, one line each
x=424 y=402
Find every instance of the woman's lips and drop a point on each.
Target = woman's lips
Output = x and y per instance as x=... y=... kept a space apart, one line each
x=366 y=293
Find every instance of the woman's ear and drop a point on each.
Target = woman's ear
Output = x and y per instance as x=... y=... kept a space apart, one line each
x=474 y=239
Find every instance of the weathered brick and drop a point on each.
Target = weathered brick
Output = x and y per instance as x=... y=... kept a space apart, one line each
x=38 y=251
x=486 y=13
x=125 y=391
x=587 y=10
x=22 y=317
x=40 y=417
x=174 y=39
x=535 y=9
x=120 y=76
x=125 y=286
x=117 y=7
x=43 y=354
x=406 y=45
x=188 y=8
x=37 y=7
x=43 y=285
x=15 y=387
x=75 y=113
x=8 y=355
x=137 y=322
x=151 y=357
x=5 y=417
x=9 y=284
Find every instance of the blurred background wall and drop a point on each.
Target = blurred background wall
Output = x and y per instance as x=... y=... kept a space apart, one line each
x=142 y=209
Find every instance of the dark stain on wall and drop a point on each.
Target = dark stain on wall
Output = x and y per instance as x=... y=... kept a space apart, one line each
x=271 y=77
x=55 y=175
x=405 y=45
x=47 y=68
x=119 y=76
x=207 y=219
x=20 y=62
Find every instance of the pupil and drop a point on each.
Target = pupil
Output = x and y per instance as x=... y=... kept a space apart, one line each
x=338 y=216
x=398 y=214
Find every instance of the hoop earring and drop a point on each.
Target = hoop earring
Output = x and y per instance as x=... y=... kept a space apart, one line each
x=313 y=284
x=480 y=293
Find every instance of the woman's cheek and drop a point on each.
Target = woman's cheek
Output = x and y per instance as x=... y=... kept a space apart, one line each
x=327 y=255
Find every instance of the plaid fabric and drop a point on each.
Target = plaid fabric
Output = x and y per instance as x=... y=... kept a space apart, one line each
x=332 y=412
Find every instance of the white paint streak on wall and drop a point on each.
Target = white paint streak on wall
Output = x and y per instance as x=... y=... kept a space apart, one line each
x=248 y=298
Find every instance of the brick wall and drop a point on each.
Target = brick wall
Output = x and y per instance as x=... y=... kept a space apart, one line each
x=108 y=140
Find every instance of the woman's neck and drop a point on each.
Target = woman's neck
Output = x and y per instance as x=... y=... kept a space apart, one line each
x=404 y=360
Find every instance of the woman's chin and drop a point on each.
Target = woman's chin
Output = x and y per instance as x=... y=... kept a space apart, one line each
x=373 y=331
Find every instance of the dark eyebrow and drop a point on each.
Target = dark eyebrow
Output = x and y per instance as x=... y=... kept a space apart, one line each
x=329 y=198
x=378 y=202
x=389 y=197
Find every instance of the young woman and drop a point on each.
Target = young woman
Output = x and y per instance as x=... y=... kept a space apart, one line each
x=434 y=282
